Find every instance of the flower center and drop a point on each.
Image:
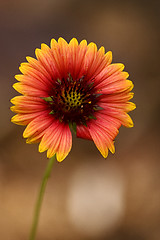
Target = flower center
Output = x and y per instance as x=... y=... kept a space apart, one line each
x=73 y=101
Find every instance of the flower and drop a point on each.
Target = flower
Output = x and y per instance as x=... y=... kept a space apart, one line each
x=72 y=85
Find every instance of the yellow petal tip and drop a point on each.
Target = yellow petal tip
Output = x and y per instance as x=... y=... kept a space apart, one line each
x=60 y=158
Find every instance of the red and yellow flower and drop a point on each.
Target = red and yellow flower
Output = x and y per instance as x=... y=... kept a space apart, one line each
x=72 y=85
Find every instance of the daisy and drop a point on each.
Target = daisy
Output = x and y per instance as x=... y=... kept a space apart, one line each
x=72 y=85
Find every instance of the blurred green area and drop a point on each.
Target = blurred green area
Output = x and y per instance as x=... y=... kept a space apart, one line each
x=87 y=197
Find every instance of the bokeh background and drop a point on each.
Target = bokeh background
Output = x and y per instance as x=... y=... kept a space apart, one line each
x=87 y=197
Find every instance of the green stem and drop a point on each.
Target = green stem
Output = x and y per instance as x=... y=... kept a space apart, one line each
x=40 y=198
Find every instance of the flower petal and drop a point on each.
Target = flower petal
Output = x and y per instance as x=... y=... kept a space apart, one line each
x=110 y=70
x=83 y=132
x=72 y=59
x=98 y=139
x=58 y=60
x=65 y=144
x=51 y=139
x=89 y=59
x=34 y=82
x=24 y=119
x=103 y=136
x=79 y=67
x=35 y=64
x=28 y=90
x=26 y=104
x=118 y=114
x=127 y=106
x=37 y=125
x=118 y=86
x=29 y=70
x=120 y=97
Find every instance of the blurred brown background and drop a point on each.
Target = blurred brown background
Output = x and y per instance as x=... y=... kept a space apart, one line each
x=87 y=197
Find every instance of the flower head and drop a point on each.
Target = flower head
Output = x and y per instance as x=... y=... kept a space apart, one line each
x=72 y=85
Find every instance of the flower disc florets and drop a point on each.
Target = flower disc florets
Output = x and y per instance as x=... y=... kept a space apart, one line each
x=73 y=100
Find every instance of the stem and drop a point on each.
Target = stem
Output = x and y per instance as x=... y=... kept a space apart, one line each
x=40 y=198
